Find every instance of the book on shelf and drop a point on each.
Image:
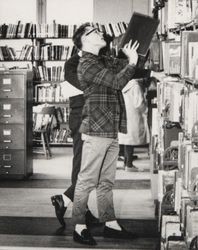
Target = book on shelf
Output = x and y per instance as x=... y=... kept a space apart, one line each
x=141 y=28
x=59 y=136
x=54 y=29
x=194 y=15
x=170 y=99
x=49 y=73
x=154 y=61
x=164 y=228
x=191 y=221
x=193 y=59
x=183 y=11
x=166 y=181
x=192 y=172
x=171 y=57
x=190 y=103
x=54 y=92
x=186 y=38
x=178 y=192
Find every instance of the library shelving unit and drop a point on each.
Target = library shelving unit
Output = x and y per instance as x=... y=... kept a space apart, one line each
x=44 y=48
x=175 y=139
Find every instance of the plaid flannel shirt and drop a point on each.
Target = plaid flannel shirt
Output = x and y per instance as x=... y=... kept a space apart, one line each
x=102 y=79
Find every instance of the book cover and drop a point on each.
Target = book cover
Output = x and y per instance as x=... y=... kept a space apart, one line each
x=186 y=38
x=193 y=58
x=141 y=28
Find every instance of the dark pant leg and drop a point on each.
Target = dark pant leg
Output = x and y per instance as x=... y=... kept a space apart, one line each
x=121 y=150
x=75 y=121
x=128 y=151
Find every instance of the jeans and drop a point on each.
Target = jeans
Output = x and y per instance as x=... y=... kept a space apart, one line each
x=98 y=169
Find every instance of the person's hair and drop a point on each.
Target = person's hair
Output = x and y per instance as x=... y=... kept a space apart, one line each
x=106 y=50
x=78 y=34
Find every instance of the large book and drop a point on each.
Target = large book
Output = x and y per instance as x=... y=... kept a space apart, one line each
x=141 y=28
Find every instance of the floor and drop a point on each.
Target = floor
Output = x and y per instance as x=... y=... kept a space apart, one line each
x=27 y=218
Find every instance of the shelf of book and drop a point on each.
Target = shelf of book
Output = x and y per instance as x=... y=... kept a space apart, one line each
x=177 y=174
x=175 y=155
x=44 y=48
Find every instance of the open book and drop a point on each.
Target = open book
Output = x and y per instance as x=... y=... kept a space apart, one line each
x=141 y=28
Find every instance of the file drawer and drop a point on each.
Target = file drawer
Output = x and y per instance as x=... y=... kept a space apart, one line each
x=12 y=111
x=12 y=86
x=12 y=162
x=12 y=136
x=16 y=96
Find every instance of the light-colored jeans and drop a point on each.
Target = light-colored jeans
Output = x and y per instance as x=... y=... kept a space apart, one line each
x=98 y=169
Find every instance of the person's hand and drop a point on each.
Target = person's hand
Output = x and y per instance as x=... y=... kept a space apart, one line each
x=131 y=52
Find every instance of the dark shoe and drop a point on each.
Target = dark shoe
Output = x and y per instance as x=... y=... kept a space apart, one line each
x=123 y=234
x=120 y=158
x=135 y=157
x=90 y=219
x=131 y=168
x=84 y=238
x=58 y=203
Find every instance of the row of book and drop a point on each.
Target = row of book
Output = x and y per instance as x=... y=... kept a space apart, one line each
x=181 y=57
x=49 y=92
x=31 y=30
x=29 y=52
x=178 y=194
x=176 y=162
x=175 y=100
x=48 y=73
x=180 y=12
x=58 y=136
x=113 y=29
x=53 y=52
x=10 y=54
x=18 y=30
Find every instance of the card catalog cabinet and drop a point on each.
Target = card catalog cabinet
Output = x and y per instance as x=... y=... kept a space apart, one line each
x=16 y=97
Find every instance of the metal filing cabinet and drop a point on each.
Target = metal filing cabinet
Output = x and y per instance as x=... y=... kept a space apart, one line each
x=16 y=96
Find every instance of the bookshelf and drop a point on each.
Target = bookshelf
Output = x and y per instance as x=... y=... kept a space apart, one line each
x=174 y=142
x=44 y=48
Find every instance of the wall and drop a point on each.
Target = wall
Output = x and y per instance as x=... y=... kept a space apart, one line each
x=106 y=11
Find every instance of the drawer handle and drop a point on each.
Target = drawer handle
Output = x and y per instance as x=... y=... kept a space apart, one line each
x=7 y=90
x=7 y=166
x=7 y=116
x=7 y=141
